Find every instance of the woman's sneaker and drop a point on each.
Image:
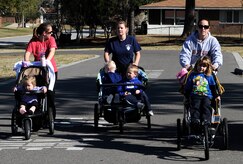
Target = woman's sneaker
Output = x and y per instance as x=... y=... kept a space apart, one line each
x=151 y=113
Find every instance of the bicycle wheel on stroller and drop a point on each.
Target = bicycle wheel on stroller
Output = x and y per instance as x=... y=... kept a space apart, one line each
x=206 y=142
x=50 y=121
x=14 y=126
x=225 y=134
x=121 y=121
x=27 y=128
x=179 y=135
x=96 y=116
x=185 y=127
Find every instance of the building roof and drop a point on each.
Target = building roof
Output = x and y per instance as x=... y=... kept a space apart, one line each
x=199 y=4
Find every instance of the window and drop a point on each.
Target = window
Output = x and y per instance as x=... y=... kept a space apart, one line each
x=236 y=16
x=232 y=17
x=173 y=17
x=154 y=17
x=229 y=16
x=169 y=17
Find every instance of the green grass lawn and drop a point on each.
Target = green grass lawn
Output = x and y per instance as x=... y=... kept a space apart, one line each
x=8 y=32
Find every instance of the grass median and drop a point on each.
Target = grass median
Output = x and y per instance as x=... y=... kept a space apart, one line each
x=7 y=62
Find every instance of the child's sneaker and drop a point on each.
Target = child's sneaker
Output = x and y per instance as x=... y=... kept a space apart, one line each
x=109 y=99
x=151 y=113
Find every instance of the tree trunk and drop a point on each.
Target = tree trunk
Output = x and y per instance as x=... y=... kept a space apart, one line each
x=131 y=23
x=78 y=34
x=23 y=21
x=189 y=18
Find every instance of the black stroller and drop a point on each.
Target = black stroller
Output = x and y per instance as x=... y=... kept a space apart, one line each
x=43 y=116
x=117 y=112
x=218 y=129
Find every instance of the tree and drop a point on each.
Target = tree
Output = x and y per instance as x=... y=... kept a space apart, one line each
x=130 y=6
x=189 y=18
x=100 y=12
x=21 y=9
x=72 y=13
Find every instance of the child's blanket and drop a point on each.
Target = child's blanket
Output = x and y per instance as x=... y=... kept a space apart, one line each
x=18 y=66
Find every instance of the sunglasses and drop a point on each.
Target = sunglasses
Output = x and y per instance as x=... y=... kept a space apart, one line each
x=203 y=26
x=49 y=32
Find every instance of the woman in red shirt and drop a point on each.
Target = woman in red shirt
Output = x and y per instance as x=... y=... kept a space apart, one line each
x=41 y=43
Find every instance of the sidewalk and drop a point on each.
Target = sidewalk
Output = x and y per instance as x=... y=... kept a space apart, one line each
x=15 y=25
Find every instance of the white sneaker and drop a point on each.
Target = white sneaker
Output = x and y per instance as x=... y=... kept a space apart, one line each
x=151 y=113
x=109 y=99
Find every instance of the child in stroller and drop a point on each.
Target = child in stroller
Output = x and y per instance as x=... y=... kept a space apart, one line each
x=133 y=93
x=36 y=113
x=112 y=104
x=200 y=88
x=29 y=102
x=111 y=77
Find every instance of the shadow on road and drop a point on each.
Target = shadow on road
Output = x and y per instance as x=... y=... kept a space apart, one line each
x=76 y=97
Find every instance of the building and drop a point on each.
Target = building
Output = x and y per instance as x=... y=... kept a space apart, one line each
x=167 y=17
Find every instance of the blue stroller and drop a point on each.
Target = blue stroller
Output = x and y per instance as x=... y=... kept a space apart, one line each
x=118 y=111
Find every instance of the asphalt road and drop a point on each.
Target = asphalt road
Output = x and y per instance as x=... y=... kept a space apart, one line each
x=75 y=140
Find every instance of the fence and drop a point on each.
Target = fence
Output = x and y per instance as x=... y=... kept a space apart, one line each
x=223 y=30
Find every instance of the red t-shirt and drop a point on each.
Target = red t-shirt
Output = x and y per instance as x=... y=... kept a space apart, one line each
x=36 y=47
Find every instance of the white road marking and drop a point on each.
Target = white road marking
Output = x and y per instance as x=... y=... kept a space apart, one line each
x=75 y=148
x=35 y=148
x=154 y=74
x=91 y=139
x=7 y=148
x=18 y=142
x=40 y=144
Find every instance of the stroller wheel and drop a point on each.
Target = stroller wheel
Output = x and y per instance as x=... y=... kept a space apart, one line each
x=121 y=121
x=185 y=127
x=179 y=135
x=121 y=124
x=96 y=116
x=50 y=121
x=225 y=134
x=27 y=127
x=206 y=142
x=14 y=126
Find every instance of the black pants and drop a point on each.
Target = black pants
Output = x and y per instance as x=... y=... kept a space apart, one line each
x=133 y=100
x=146 y=101
x=201 y=108
x=51 y=99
